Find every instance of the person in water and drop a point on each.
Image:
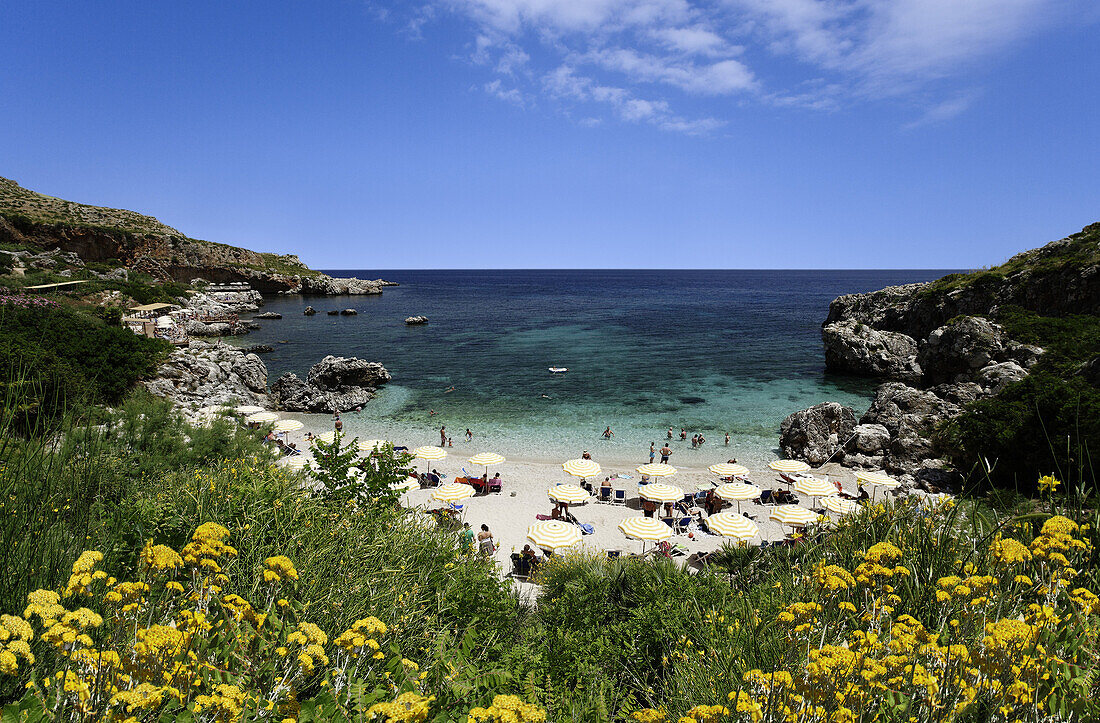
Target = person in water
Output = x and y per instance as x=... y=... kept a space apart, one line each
x=683 y=434
x=670 y=432
x=448 y=390
x=608 y=434
x=586 y=455
x=443 y=436
x=727 y=439
x=469 y=435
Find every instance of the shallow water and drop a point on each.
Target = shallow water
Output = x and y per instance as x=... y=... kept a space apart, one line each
x=710 y=351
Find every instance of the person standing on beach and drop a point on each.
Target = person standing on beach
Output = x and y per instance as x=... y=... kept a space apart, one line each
x=665 y=452
x=485 y=541
x=469 y=435
x=467 y=538
x=443 y=436
x=652 y=451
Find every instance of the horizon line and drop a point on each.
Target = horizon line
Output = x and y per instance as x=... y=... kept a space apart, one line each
x=617 y=268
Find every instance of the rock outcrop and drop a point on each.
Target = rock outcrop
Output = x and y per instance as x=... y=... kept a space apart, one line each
x=855 y=348
x=333 y=384
x=268 y=315
x=348 y=312
x=309 y=311
x=211 y=374
x=225 y=303
x=817 y=433
x=416 y=320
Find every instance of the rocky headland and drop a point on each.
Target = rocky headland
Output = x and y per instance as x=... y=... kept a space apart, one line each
x=333 y=384
x=938 y=347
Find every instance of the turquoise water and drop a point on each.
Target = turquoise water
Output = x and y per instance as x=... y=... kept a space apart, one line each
x=710 y=351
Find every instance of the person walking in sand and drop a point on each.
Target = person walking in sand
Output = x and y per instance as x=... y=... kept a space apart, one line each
x=665 y=452
x=443 y=436
x=652 y=451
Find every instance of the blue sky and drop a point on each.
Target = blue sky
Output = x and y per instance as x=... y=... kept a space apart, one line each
x=568 y=133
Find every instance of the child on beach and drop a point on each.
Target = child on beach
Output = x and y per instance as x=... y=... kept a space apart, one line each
x=652 y=451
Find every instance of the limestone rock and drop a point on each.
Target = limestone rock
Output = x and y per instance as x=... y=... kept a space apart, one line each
x=854 y=347
x=211 y=374
x=260 y=349
x=309 y=311
x=416 y=320
x=332 y=312
x=348 y=312
x=909 y=415
x=870 y=439
x=333 y=384
x=956 y=351
x=815 y=434
x=221 y=303
x=268 y=315
x=336 y=372
x=998 y=376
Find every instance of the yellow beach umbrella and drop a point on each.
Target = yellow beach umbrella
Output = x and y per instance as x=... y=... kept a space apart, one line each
x=814 y=487
x=789 y=466
x=729 y=469
x=288 y=425
x=369 y=445
x=839 y=505
x=453 y=492
x=248 y=409
x=329 y=437
x=645 y=528
x=429 y=452
x=877 y=479
x=409 y=483
x=486 y=459
x=568 y=494
x=737 y=491
x=661 y=493
x=298 y=461
x=656 y=469
x=554 y=534
x=581 y=468
x=262 y=417
x=732 y=525
x=793 y=515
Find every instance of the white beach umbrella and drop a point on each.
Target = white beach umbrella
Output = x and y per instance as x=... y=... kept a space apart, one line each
x=737 y=492
x=486 y=459
x=729 y=469
x=645 y=529
x=369 y=445
x=839 y=505
x=569 y=494
x=554 y=535
x=248 y=409
x=732 y=525
x=288 y=425
x=298 y=461
x=581 y=468
x=814 y=487
x=660 y=492
x=429 y=452
x=656 y=469
x=262 y=417
x=453 y=492
x=789 y=466
x=877 y=479
x=409 y=483
x=793 y=515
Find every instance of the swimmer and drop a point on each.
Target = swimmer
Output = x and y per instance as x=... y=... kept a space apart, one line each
x=545 y=396
x=448 y=391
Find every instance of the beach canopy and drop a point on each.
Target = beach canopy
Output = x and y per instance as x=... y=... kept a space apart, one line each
x=793 y=515
x=298 y=461
x=262 y=417
x=656 y=469
x=288 y=425
x=369 y=445
x=569 y=494
x=328 y=437
x=789 y=466
x=453 y=492
x=429 y=452
x=839 y=505
x=409 y=483
x=729 y=469
x=814 y=487
x=554 y=534
x=661 y=493
x=249 y=409
x=646 y=529
x=737 y=491
x=877 y=479
x=486 y=459
x=733 y=525
x=581 y=468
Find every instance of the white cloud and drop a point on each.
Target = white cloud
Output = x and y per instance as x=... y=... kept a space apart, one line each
x=679 y=52
x=512 y=95
x=943 y=111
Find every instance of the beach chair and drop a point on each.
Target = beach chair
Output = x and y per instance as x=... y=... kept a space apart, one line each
x=682 y=524
x=700 y=496
x=605 y=495
x=520 y=566
x=765 y=498
x=620 y=497
x=612 y=554
x=495 y=485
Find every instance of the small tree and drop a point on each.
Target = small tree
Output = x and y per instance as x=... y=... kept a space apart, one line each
x=345 y=478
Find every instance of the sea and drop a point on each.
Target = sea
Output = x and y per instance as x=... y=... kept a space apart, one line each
x=711 y=352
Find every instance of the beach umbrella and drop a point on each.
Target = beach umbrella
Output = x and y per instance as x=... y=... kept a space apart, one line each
x=486 y=460
x=298 y=461
x=789 y=466
x=656 y=469
x=429 y=453
x=569 y=494
x=793 y=515
x=262 y=417
x=732 y=525
x=814 y=487
x=645 y=529
x=248 y=409
x=453 y=492
x=737 y=491
x=839 y=505
x=581 y=468
x=288 y=425
x=729 y=469
x=369 y=445
x=554 y=535
x=660 y=492
x=329 y=437
x=877 y=479
x=409 y=483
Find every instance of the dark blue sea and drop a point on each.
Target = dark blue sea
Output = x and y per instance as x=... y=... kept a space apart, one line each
x=709 y=351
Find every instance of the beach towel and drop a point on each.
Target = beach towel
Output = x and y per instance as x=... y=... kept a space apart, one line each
x=543 y=517
x=587 y=529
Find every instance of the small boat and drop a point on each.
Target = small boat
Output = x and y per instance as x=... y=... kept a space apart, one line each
x=558 y=370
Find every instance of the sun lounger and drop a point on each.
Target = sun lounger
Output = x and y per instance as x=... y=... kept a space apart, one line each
x=612 y=554
x=520 y=566
x=683 y=523
x=605 y=495
x=620 y=497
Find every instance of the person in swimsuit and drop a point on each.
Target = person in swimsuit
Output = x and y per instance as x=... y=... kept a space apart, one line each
x=652 y=451
x=443 y=436
x=727 y=439
x=469 y=435
x=608 y=434
x=485 y=541
x=670 y=432
x=665 y=452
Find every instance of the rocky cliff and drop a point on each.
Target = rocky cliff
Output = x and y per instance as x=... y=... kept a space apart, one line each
x=136 y=242
x=941 y=348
